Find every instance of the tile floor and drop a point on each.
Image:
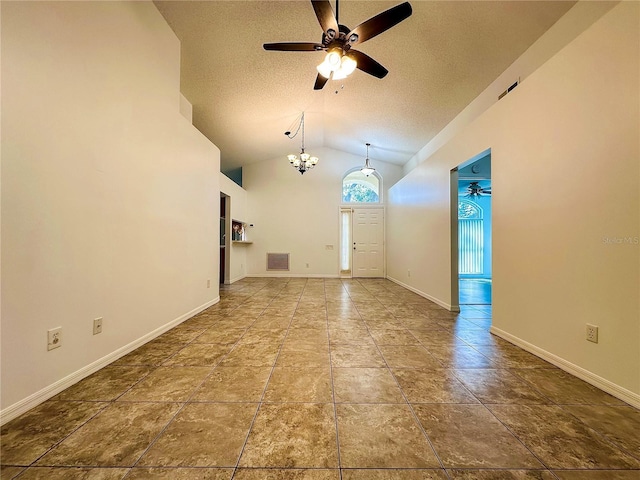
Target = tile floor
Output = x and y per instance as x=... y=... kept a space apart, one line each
x=475 y=291
x=327 y=379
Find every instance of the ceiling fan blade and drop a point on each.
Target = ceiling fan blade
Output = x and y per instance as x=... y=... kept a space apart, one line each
x=368 y=64
x=380 y=23
x=320 y=82
x=326 y=17
x=294 y=46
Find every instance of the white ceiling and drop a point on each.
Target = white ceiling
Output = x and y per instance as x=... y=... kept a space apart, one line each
x=439 y=59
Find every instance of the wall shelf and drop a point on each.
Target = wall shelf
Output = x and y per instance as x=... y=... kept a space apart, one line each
x=242 y=241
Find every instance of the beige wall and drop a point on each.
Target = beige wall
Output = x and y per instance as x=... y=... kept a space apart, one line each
x=299 y=214
x=565 y=178
x=109 y=196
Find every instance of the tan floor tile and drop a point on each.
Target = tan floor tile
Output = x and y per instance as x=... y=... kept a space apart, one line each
x=8 y=472
x=499 y=386
x=307 y=335
x=352 y=336
x=311 y=321
x=263 y=335
x=221 y=336
x=559 y=439
x=106 y=384
x=620 y=424
x=356 y=356
x=597 y=474
x=266 y=322
x=151 y=354
x=509 y=356
x=563 y=388
x=61 y=473
x=501 y=475
x=179 y=335
x=203 y=435
x=299 y=384
x=199 y=355
x=469 y=436
x=203 y=319
x=391 y=474
x=30 y=435
x=389 y=336
x=234 y=384
x=116 y=437
x=419 y=323
x=180 y=474
x=252 y=355
x=459 y=356
x=298 y=435
x=382 y=436
x=303 y=355
x=365 y=385
x=436 y=336
x=289 y=474
x=167 y=384
x=432 y=386
x=478 y=336
x=408 y=356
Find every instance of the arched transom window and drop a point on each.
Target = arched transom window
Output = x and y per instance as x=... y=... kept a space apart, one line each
x=358 y=188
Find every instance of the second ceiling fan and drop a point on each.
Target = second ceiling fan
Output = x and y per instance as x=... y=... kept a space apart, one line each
x=337 y=40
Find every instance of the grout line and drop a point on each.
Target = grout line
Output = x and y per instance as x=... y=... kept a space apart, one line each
x=413 y=413
x=266 y=386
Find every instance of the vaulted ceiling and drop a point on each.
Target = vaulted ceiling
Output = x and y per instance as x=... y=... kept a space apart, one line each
x=439 y=59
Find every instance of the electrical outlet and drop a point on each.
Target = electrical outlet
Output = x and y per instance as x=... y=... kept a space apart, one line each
x=307 y=265
x=408 y=273
x=97 y=326
x=208 y=283
x=592 y=333
x=54 y=338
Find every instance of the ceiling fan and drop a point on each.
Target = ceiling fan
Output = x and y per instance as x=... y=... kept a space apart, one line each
x=475 y=190
x=337 y=40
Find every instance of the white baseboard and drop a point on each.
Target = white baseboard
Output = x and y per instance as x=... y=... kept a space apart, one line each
x=46 y=393
x=446 y=305
x=236 y=279
x=292 y=275
x=611 y=388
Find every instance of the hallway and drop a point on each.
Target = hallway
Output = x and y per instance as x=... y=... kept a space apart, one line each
x=324 y=379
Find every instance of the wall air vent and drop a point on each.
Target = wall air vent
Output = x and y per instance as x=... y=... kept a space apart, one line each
x=517 y=82
x=278 y=261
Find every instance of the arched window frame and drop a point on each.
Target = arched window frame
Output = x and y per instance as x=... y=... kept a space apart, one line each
x=471 y=205
x=380 y=188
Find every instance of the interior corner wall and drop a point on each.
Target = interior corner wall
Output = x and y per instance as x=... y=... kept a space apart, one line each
x=566 y=207
x=238 y=251
x=299 y=214
x=109 y=196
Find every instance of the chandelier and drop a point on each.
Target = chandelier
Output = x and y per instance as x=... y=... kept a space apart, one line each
x=367 y=169
x=304 y=161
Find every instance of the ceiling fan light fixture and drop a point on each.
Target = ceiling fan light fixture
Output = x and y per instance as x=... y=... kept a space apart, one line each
x=324 y=69
x=334 y=59
x=339 y=75
x=348 y=64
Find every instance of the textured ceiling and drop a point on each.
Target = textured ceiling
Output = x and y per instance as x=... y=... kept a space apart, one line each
x=244 y=98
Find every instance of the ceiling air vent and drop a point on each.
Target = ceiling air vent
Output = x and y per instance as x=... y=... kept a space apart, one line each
x=278 y=261
x=509 y=89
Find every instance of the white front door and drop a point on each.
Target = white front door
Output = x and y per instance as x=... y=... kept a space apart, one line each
x=368 y=242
